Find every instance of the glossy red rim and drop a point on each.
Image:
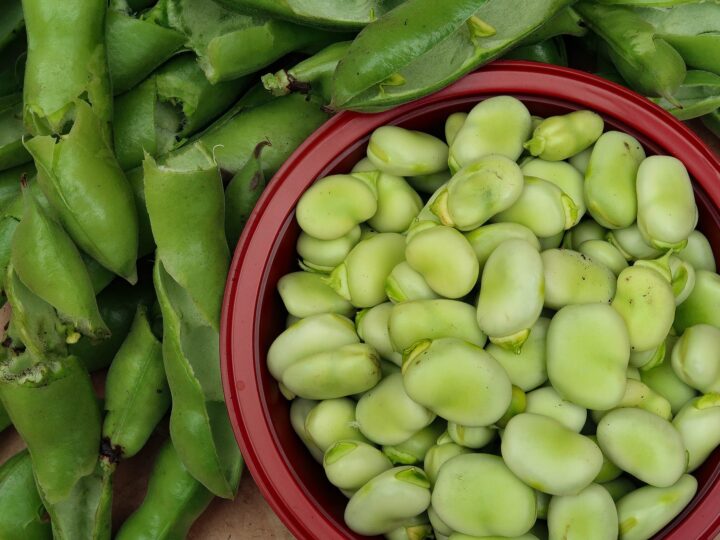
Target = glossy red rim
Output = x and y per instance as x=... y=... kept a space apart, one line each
x=247 y=407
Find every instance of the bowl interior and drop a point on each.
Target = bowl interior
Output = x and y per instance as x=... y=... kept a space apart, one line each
x=270 y=314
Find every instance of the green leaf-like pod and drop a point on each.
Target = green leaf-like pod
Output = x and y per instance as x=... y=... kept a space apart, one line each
x=299 y=410
x=542 y=207
x=548 y=456
x=403 y=152
x=81 y=178
x=387 y=415
x=413 y=450
x=478 y=191
x=589 y=515
x=647 y=304
x=347 y=370
x=306 y=293
x=604 y=253
x=66 y=62
x=511 y=293
x=12 y=151
x=456 y=380
x=698 y=252
x=597 y=333
x=526 y=367
x=644 y=445
x=136 y=391
x=477 y=494
x=700 y=307
x=699 y=425
x=360 y=279
x=610 y=190
x=498 y=125
x=444 y=257
x=373 y=328
x=485 y=239
x=174 y=500
x=470 y=436
x=547 y=401
x=350 y=464
x=667 y=213
x=413 y=321
x=405 y=284
x=23 y=510
x=330 y=421
x=561 y=137
x=309 y=336
x=698 y=95
x=563 y=175
x=48 y=263
x=646 y=510
x=549 y=51
x=388 y=500
x=333 y=206
x=694 y=358
x=324 y=255
x=573 y=278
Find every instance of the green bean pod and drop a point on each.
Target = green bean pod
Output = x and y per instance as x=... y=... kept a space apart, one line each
x=550 y=51
x=511 y=293
x=444 y=257
x=413 y=321
x=498 y=125
x=53 y=406
x=242 y=193
x=573 y=278
x=542 y=207
x=561 y=137
x=174 y=500
x=698 y=95
x=12 y=151
x=477 y=494
x=646 y=510
x=136 y=392
x=646 y=302
x=175 y=102
x=189 y=276
x=459 y=39
x=610 y=189
x=23 y=509
x=48 y=263
x=350 y=464
x=649 y=63
x=330 y=421
x=597 y=333
x=388 y=415
x=66 y=63
x=479 y=191
x=86 y=187
x=137 y=43
x=712 y=121
x=590 y=515
x=456 y=380
x=388 y=500
x=413 y=450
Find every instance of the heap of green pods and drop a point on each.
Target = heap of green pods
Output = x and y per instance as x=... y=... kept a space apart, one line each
x=509 y=333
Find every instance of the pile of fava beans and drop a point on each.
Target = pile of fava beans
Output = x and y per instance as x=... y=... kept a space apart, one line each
x=510 y=333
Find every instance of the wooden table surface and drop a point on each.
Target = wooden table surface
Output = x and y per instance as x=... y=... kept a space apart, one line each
x=248 y=517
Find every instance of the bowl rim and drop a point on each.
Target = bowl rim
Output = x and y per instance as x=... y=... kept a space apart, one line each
x=247 y=409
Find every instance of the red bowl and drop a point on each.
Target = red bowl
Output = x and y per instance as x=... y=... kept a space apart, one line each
x=291 y=481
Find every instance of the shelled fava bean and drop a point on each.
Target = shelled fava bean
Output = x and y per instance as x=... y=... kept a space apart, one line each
x=535 y=348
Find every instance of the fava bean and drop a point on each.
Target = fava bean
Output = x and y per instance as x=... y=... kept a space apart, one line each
x=478 y=191
x=619 y=487
x=511 y=293
x=700 y=307
x=299 y=410
x=604 y=253
x=563 y=175
x=429 y=183
x=597 y=334
x=324 y=255
x=305 y=294
x=332 y=420
x=561 y=137
x=699 y=425
x=373 y=328
x=485 y=239
x=643 y=444
x=698 y=252
x=587 y=229
x=547 y=401
x=497 y=125
x=646 y=510
x=438 y=525
x=610 y=179
x=631 y=244
x=573 y=278
x=609 y=471
x=453 y=124
x=663 y=380
x=542 y=207
x=438 y=455
x=696 y=358
x=350 y=464
x=581 y=160
x=589 y=515
x=641 y=396
x=404 y=152
x=397 y=204
x=387 y=415
x=525 y=368
x=470 y=436
x=413 y=450
x=477 y=494
x=405 y=284
x=548 y=456
x=413 y=529
x=551 y=242
x=388 y=500
x=648 y=359
x=23 y=509
x=456 y=380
